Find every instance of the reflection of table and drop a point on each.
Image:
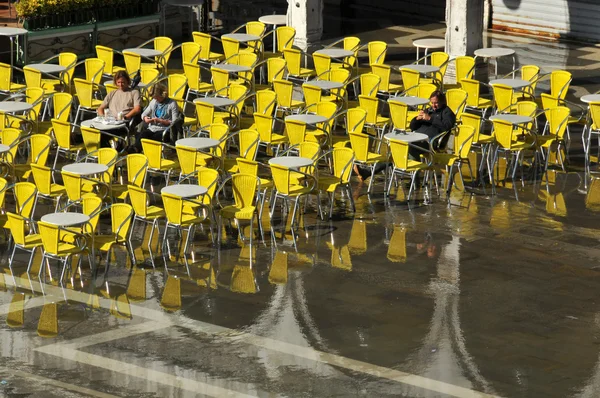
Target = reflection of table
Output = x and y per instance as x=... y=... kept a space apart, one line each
x=275 y=20
x=513 y=119
x=325 y=84
x=291 y=162
x=233 y=68
x=410 y=100
x=85 y=169
x=97 y=124
x=308 y=119
x=66 y=219
x=428 y=44
x=48 y=68
x=184 y=190
x=515 y=84
x=590 y=98
x=495 y=53
x=407 y=137
x=14 y=106
x=422 y=69
x=241 y=37
x=335 y=52
x=11 y=33
x=216 y=101
x=197 y=142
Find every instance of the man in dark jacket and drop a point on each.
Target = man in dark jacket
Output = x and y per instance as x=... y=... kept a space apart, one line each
x=434 y=120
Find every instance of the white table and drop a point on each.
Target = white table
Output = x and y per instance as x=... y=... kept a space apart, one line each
x=15 y=106
x=66 y=219
x=411 y=100
x=513 y=119
x=407 y=137
x=48 y=68
x=335 y=52
x=241 y=37
x=216 y=101
x=85 y=169
x=428 y=44
x=590 y=98
x=291 y=162
x=11 y=33
x=145 y=52
x=103 y=126
x=198 y=142
x=515 y=84
x=275 y=20
x=308 y=119
x=495 y=53
x=233 y=68
x=422 y=69
x=325 y=84
x=185 y=190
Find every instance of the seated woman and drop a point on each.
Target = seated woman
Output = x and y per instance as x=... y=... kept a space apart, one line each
x=159 y=115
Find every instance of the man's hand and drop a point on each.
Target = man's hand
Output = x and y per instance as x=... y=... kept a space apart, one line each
x=420 y=115
x=426 y=116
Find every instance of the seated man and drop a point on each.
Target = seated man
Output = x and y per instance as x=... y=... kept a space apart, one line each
x=433 y=121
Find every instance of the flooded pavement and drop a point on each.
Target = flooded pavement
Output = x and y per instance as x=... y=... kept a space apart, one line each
x=490 y=295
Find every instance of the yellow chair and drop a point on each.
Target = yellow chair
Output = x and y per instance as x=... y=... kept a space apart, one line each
x=355 y=123
x=248 y=148
x=289 y=187
x=247 y=166
x=231 y=47
x=460 y=156
x=62 y=135
x=369 y=84
x=157 y=164
x=506 y=139
x=220 y=79
x=121 y=216
x=25 y=194
x=285 y=101
x=204 y=40
x=78 y=187
x=43 y=177
x=342 y=161
x=360 y=144
x=177 y=218
x=94 y=68
x=374 y=120
x=284 y=39
x=385 y=87
x=377 y=51
x=268 y=138
x=133 y=63
x=39 y=149
x=67 y=60
x=92 y=140
x=245 y=188
x=190 y=52
x=85 y=95
x=483 y=142
x=349 y=43
x=12 y=138
x=403 y=166
x=7 y=86
x=61 y=105
x=275 y=70
x=265 y=102
x=439 y=59
x=151 y=214
x=530 y=73
x=456 y=100
x=23 y=239
x=57 y=249
x=312 y=94
x=293 y=58
x=465 y=68
x=475 y=102
x=195 y=84
x=33 y=79
x=165 y=46
x=504 y=98
x=106 y=54
x=557 y=118
x=137 y=166
x=399 y=115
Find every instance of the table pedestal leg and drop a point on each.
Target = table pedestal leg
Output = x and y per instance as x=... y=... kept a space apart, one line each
x=12 y=39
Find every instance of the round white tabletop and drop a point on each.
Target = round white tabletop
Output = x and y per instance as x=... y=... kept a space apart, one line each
x=216 y=101
x=14 y=106
x=292 y=162
x=493 y=52
x=273 y=19
x=185 y=190
x=308 y=118
x=514 y=83
x=48 y=68
x=85 y=169
x=325 y=84
x=8 y=31
x=232 y=68
x=429 y=43
x=197 y=142
x=424 y=69
x=410 y=100
x=514 y=119
x=145 y=52
x=65 y=219
x=407 y=137
x=101 y=124
x=241 y=37
x=335 y=52
x=590 y=98
x=4 y=148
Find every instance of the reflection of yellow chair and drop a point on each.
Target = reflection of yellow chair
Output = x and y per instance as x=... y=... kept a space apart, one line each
x=592 y=200
x=120 y=307
x=242 y=280
x=48 y=322
x=278 y=273
x=397 y=247
x=16 y=311
x=171 y=296
x=358 y=237
x=340 y=258
x=555 y=204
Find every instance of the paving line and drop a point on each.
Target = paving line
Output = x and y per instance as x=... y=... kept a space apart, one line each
x=57 y=383
x=233 y=335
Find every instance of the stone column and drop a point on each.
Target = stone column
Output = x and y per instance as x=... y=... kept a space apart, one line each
x=464 y=30
x=306 y=16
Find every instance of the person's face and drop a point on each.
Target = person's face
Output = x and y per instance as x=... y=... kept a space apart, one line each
x=159 y=98
x=435 y=103
x=122 y=84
